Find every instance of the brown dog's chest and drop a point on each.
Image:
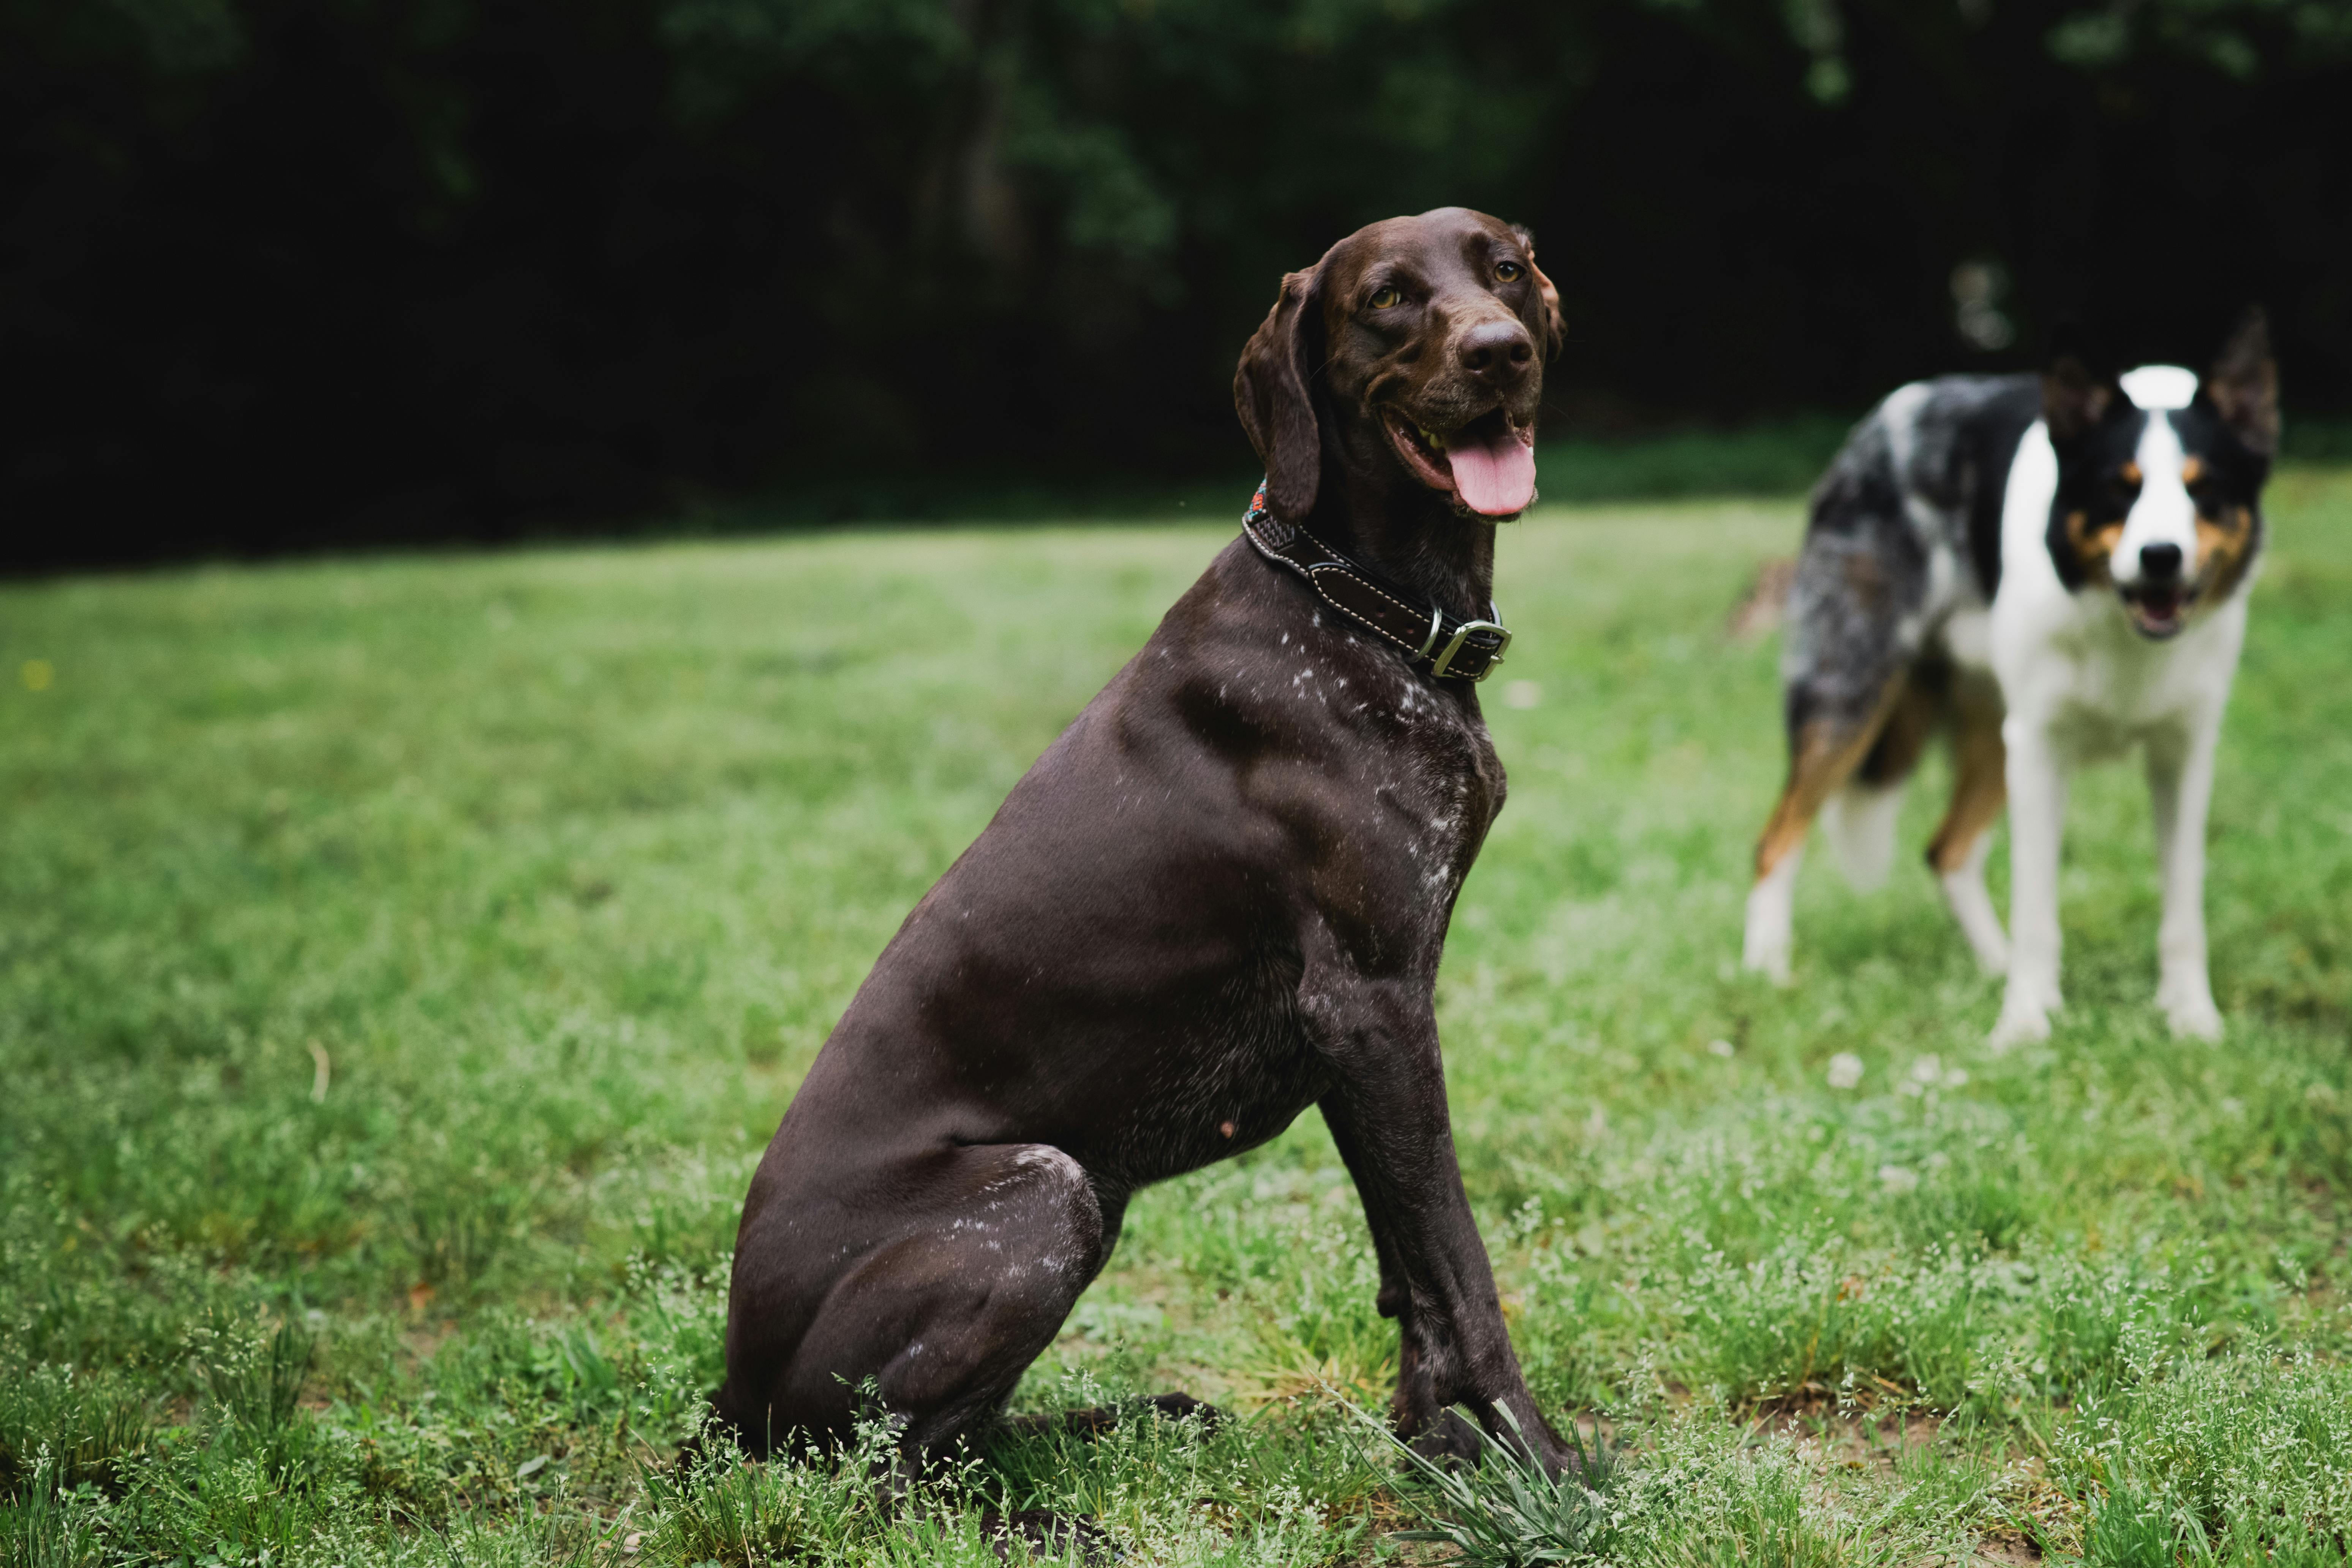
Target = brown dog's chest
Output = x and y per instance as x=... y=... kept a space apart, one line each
x=1336 y=801
x=1386 y=779
x=1261 y=810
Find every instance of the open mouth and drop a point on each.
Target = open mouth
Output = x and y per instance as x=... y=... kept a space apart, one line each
x=1489 y=464
x=2158 y=613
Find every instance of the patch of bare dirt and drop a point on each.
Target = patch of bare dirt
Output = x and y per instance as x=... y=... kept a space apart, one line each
x=2008 y=1546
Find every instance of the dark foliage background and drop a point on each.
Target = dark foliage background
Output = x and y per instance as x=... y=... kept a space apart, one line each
x=282 y=272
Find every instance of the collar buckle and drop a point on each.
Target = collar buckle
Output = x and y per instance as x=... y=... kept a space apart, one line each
x=1442 y=664
x=1379 y=605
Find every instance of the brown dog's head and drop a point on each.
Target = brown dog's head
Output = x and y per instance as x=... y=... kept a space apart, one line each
x=1418 y=342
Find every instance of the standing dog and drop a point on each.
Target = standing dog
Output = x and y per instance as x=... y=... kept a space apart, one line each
x=2049 y=570
x=1217 y=900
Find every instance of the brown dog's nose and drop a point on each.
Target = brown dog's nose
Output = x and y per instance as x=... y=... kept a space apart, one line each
x=1496 y=351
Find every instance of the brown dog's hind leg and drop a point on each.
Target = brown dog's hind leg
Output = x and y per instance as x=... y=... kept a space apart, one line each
x=962 y=1264
x=1979 y=789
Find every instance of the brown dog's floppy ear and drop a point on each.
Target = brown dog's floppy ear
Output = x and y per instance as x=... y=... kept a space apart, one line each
x=2074 y=401
x=2243 y=385
x=1554 y=331
x=1272 y=393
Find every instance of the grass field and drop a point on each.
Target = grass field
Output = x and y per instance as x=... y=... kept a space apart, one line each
x=402 y=961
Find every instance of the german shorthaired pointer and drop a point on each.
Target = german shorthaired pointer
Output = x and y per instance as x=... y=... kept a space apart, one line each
x=1217 y=900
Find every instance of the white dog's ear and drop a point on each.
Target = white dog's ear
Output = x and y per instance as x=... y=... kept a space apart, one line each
x=2074 y=400
x=2242 y=385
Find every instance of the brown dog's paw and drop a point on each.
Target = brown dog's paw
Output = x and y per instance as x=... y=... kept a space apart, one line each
x=1088 y=1423
x=719 y=1430
x=1095 y=1420
x=1047 y=1534
x=1449 y=1438
x=1176 y=1405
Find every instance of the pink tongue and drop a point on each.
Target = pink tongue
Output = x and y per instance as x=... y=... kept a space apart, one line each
x=1496 y=476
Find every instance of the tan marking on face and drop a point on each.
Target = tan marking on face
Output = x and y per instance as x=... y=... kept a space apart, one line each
x=2093 y=548
x=2191 y=470
x=2131 y=474
x=2225 y=547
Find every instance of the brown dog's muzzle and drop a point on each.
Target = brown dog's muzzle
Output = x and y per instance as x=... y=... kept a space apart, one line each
x=1496 y=353
x=1487 y=459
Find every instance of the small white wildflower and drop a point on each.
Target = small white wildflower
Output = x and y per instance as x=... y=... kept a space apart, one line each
x=1522 y=694
x=1898 y=1178
x=1926 y=1069
x=1724 y=1048
x=1846 y=1070
x=1955 y=1078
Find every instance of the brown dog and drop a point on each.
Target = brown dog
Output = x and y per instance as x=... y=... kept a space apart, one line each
x=1217 y=900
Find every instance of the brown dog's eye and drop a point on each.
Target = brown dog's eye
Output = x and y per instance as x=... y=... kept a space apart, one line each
x=1386 y=297
x=1509 y=271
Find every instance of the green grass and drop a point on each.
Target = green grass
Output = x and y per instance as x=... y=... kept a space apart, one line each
x=402 y=963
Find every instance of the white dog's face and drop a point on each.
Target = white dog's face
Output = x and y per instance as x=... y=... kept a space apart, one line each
x=2161 y=481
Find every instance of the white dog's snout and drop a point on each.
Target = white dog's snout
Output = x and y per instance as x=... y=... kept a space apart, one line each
x=2163 y=515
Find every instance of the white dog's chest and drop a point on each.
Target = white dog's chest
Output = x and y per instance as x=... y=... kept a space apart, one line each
x=2070 y=663
x=2077 y=670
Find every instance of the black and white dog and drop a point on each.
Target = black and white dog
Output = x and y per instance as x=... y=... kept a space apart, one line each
x=2050 y=571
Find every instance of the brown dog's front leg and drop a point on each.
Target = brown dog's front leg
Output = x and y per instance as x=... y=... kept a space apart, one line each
x=1389 y=1118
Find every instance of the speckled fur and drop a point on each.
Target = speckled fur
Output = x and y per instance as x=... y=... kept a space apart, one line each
x=2046 y=571
x=1905 y=530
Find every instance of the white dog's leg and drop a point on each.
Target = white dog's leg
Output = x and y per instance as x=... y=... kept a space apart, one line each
x=1964 y=890
x=1859 y=822
x=2180 y=787
x=2037 y=819
x=1771 y=906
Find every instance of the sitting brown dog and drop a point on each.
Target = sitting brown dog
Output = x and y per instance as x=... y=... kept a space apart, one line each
x=1217 y=900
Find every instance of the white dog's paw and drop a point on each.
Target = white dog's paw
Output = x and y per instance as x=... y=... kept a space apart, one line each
x=2193 y=1018
x=1771 y=925
x=1767 y=958
x=2186 y=995
x=1992 y=954
x=2019 y=1024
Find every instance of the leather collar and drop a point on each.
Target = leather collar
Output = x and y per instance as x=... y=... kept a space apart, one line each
x=1450 y=649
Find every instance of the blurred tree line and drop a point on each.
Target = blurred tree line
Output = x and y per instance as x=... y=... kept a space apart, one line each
x=284 y=271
